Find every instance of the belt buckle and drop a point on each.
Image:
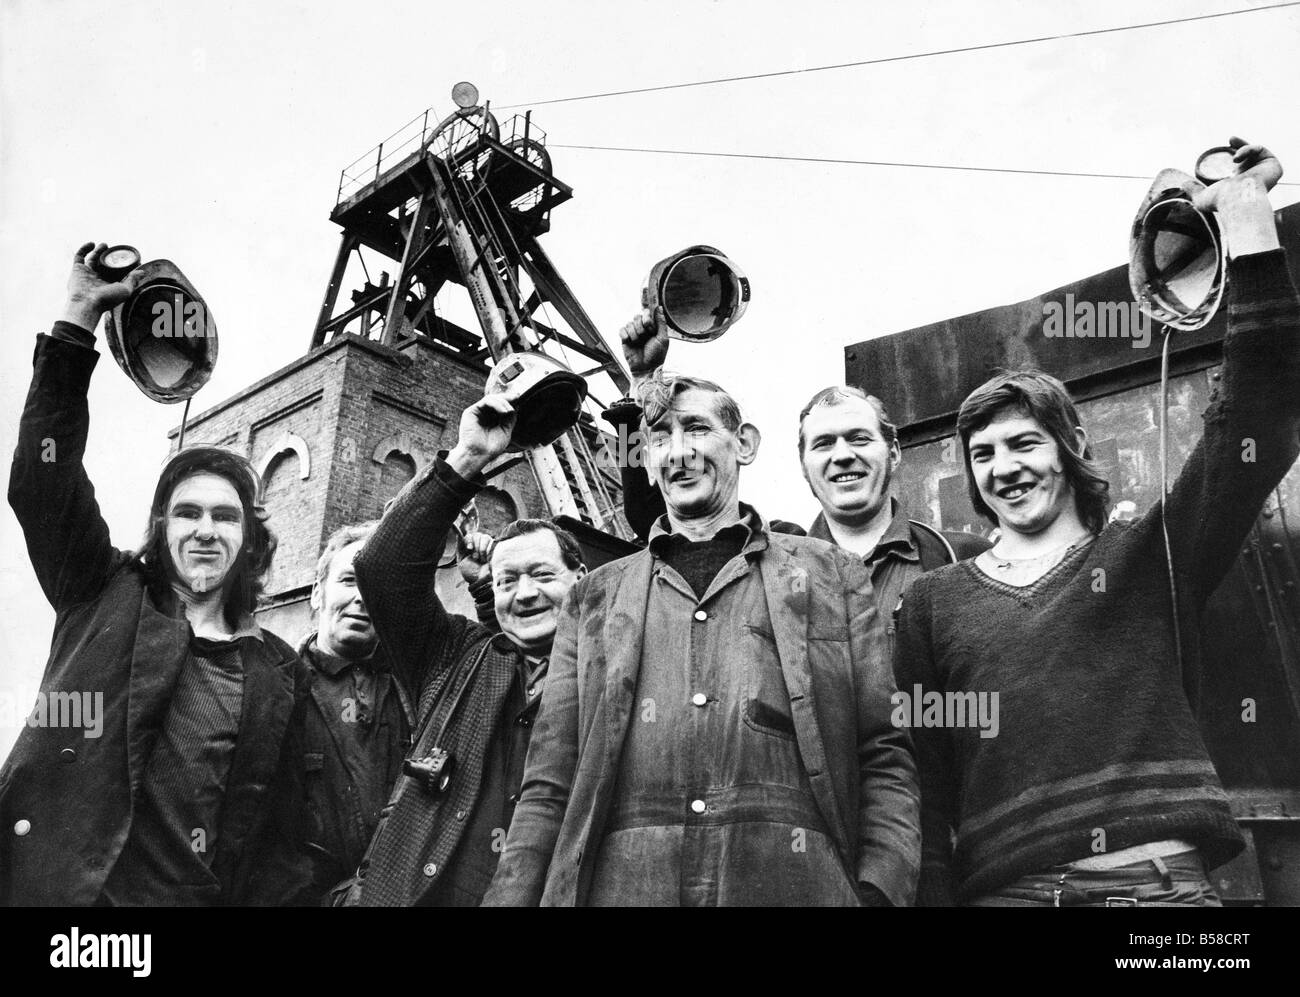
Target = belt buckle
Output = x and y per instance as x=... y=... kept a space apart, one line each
x=1121 y=901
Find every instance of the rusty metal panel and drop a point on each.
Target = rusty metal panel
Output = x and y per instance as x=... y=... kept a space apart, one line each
x=923 y=374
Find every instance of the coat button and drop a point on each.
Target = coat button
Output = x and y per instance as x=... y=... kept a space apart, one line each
x=461 y=814
x=698 y=806
x=699 y=699
x=431 y=869
x=701 y=615
x=68 y=754
x=22 y=827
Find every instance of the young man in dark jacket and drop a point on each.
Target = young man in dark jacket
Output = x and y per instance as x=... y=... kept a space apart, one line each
x=186 y=789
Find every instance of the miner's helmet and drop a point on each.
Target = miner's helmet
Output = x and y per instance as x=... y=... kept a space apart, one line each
x=547 y=397
x=701 y=291
x=163 y=335
x=1177 y=264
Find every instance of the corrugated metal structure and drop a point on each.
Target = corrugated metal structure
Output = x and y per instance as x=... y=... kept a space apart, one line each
x=1086 y=334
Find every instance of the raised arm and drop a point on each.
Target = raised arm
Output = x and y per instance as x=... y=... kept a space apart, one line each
x=49 y=491
x=645 y=347
x=398 y=566
x=1250 y=438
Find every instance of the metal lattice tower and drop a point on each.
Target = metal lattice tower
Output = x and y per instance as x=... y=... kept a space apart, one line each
x=463 y=202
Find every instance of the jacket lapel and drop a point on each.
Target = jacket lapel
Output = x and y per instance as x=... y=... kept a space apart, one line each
x=623 y=639
x=161 y=647
x=785 y=585
x=267 y=704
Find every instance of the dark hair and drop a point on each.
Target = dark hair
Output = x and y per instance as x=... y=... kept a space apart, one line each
x=1044 y=399
x=569 y=549
x=243 y=585
x=342 y=537
x=838 y=393
x=657 y=396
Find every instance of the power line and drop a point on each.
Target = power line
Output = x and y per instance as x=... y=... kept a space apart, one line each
x=904 y=58
x=865 y=162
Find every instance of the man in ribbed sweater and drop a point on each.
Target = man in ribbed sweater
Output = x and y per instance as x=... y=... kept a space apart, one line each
x=1097 y=788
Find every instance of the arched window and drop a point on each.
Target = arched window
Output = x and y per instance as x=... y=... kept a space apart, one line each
x=283 y=498
x=396 y=470
x=496 y=509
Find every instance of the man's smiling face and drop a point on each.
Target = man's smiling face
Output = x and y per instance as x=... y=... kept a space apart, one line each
x=529 y=582
x=694 y=457
x=847 y=461
x=1018 y=470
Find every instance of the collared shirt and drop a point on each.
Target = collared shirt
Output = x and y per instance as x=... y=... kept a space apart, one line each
x=175 y=832
x=712 y=805
x=474 y=862
x=356 y=736
x=894 y=564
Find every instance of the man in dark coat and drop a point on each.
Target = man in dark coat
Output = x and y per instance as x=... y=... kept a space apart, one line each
x=358 y=724
x=476 y=691
x=186 y=788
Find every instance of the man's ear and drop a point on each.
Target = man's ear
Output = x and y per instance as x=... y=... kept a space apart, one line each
x=895 y=456
x=1080 y=441
x=315 y=597
x=580 y=570
x=747 y=440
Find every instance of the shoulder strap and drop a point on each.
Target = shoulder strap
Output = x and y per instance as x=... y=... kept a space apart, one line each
x=931 y=531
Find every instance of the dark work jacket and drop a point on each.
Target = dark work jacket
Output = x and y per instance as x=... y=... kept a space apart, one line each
x=436 y=655
x=906 y=551
x=71 y=796
x=339 y=824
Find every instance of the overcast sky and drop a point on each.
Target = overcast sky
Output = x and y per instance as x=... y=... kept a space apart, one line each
x=213 y=135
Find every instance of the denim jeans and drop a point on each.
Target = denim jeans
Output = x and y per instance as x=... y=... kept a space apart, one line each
x=1169 y=881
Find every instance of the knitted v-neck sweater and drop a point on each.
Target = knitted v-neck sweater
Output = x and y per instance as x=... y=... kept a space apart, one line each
x=1096 y=745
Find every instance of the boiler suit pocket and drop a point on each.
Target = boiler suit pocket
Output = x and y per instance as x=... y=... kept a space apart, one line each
x=767 y=700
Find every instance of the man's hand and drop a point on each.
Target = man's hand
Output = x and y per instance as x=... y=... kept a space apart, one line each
x=485 y=429
x=1241 y=201
x=645 y=343
x=476 y=560
x=89 y=295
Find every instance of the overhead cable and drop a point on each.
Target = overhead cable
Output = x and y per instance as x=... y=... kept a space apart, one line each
x=903 y=58
x=861 y=162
